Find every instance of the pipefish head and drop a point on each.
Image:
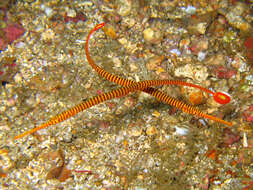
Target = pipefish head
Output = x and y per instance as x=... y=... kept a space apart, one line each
x=98 y=26
x=221 y=98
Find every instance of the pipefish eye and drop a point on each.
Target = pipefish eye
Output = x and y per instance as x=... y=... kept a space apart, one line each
x=221 y=98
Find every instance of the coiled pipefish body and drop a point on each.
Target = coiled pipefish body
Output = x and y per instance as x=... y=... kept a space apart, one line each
x=128 y=87
x=219 y=97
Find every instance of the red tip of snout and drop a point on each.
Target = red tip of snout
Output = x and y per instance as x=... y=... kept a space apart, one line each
x=99 y=26
x=221 y=98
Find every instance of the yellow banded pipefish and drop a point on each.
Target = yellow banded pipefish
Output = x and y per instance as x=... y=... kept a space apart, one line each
x=123 y=91
x=219 y=97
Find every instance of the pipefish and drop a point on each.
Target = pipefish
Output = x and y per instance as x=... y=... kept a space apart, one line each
x=128 y=87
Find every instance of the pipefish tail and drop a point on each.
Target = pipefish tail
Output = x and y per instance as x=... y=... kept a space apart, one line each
x=80 y=107
x=219 y=97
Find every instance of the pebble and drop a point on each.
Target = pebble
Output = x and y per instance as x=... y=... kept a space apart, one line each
x=8 y=69
x=57 y=77
x=229 y=36
x=121 y=109
x=249 y=79
x=128 y=22
x=18 y=78
x=218 y=26
x=184 y=42
x=154 y=62
x=196 y=98
x=48 y=35
x=199 y=45
x=217 y=59
x=117 y=62
x=6 y=162
x=222 y=72
x=195 y=72
x=156 y=113
x=110 y=31
x=124 y=7
x=201 y=56
x=48 y=10
x=181 y=131
x=239 y=8
x=189 y=9
x=71 y=12
x=239 y=63
x=129 y=102
x=245 y=140
x=135 y=131
x=152 y=36
x=130 y=46
x=134 y=67
x=151 y=130
x=198 y=25
x=175 y=52
x=234 y=16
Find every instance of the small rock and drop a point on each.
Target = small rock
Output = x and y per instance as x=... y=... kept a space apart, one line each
x=130 y=46
x=218 y=26
x=196 y=98
x=48 y=35
x=229 y=138
x=152 y=36
x=110 y=31
x=235 y=17
x=229 y=36
x=8 y=69
x=72 y=16
x=217 y=59
x=117 y=62
x=151 y=130
x=198 y=24
x=194 y=72
x=181 y=131
x=124 y=7
x=135 y=131
x=5 y=161
x=222 y=72
x=134 y=67
x=156 y=113
x=129 y=102
x=239 y=64
x=248 y=114
x=239 y=8
x=128 y=22
x=198 y=45
x=154 y=62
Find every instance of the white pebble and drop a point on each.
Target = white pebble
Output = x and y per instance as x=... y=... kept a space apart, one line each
x=181 y=131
